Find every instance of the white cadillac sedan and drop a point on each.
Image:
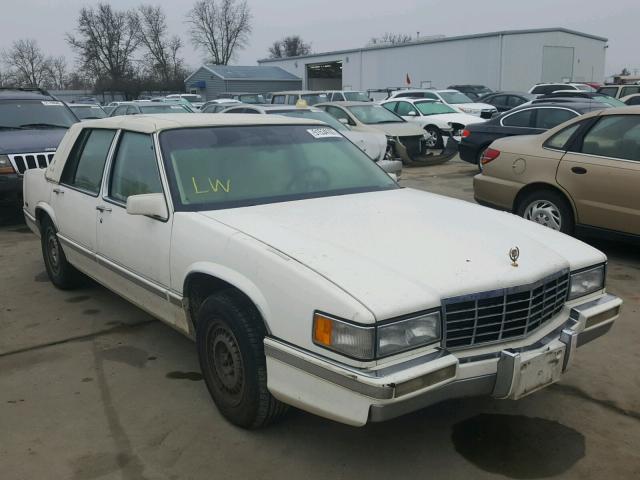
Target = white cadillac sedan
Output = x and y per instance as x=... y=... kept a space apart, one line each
x=281 y=249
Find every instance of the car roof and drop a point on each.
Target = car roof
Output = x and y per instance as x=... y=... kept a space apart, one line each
x=156 y=122
x=24 y=94
x=577 y=106
x=92 y=105
x=300 y=92
x=411 y=100
x=344 y=104
x=511 y=92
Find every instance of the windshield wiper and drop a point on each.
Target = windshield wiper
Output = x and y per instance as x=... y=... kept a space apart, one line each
x=388 y=121
x=43 y=125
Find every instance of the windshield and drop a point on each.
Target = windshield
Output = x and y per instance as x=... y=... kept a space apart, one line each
x=251 y=98
x=163 y=109
x=373 y=114
x=225 y=167
x=322 y=116
x=356 y=96
x=614 y=102
x=192 y=98
x=455 y=97
x=35 y=113
x=313 y=98
x=433 y=108
x=86 y=113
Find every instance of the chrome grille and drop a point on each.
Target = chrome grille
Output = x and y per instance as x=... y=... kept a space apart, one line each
x=24 y=161
x=502 y=315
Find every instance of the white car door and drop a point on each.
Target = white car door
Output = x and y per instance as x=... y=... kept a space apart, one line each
x=76 y=197
x=135 y=248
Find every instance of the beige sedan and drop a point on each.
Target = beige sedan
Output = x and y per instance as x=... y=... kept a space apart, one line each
x=582 y=176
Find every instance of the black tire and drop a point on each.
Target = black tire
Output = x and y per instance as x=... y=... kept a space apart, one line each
x=555 y=201
x=229 y=338
x=61 y=273
x=435 y=131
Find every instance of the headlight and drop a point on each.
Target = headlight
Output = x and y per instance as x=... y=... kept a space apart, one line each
x=586 y=281
x=343 y=337
x=360 y=342
x=407 y=334
x=5 y=165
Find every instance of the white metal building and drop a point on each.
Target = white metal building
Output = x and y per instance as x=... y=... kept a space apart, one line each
x=508 y=60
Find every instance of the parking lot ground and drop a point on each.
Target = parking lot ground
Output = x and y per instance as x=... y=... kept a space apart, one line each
x=93 y=388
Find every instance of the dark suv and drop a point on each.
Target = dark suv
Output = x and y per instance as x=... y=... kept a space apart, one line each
x=32 y=123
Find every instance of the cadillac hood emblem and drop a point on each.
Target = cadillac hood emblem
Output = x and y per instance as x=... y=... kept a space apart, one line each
x=514 y=255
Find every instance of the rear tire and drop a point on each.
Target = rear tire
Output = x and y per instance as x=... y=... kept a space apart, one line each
x=61 y=273
x=548 y=208
x=229 y=338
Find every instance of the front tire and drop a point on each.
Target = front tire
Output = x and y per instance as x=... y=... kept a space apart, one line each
x=548 y=208
x=61 y=273
x=435 y=142
x=229 y=338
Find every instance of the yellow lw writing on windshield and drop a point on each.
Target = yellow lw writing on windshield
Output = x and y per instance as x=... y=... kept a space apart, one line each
x=213 y=187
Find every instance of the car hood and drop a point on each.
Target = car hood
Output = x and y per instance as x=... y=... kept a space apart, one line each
x=30 y=141
x=476 y=106
x=404 y=129
x=448 y=118
x=401 y=251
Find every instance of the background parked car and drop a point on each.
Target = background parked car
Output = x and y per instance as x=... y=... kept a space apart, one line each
x=633 y=99
x=405 y=140
x=583 y=174
x=32 y=123
x=373 y=143
x=436 y=118
x=453 y=98
x=292 y=98
x=619 y=91
x=218 y=105
x=347 y=96
x=195 y=101
x=505 y=101
x=474 y=92
x=137 y=108
x=524 y=120
x=87 y=111
x=544 y=88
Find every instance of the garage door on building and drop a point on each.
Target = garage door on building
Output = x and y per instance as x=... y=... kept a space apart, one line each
x=557 y=64
x=324 y=76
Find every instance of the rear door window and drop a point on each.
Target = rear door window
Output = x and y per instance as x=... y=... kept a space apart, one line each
x=524 y=118
x=614 y=136
x=391 y=106
x=499 y=101
x=404 y=108
x=278 y=99
x=548 y=118
x=514 y=101
x=85 y=164
x=292 y=99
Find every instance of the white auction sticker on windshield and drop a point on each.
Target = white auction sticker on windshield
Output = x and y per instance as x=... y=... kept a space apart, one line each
x=176 y=107
x=323 y=133
x=49 y=103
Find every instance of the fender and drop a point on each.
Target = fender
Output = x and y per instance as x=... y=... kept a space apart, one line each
x=235 y=279
x=46 y=208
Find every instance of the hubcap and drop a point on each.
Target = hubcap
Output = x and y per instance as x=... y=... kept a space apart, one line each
x=225 y=357
x=545 y=213
x=53 y=250
x=432 y=139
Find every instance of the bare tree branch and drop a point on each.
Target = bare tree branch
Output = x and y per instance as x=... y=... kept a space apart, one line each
x=391 y=39
x=220 y=28
x=27 y=63
x=291 y=46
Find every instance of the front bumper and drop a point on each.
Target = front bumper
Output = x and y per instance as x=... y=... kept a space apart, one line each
x=356 y=396
x=10 y=190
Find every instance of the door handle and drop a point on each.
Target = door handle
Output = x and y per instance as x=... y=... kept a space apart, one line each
x=102 y=208
x=579 y=170
x=58 y=191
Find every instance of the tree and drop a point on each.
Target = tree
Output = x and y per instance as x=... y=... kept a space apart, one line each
x=391 y=38
x=291 y=46
x=105 y=42
x=27 y=63
x=163 y=60
x=220 y=28
x=58 y=76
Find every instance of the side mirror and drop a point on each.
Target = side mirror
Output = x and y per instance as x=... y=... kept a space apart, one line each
x=411 y=113
x=150 y=204
x=344 y=121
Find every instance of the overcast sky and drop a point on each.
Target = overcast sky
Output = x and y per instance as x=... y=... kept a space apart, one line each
x=340 y=24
